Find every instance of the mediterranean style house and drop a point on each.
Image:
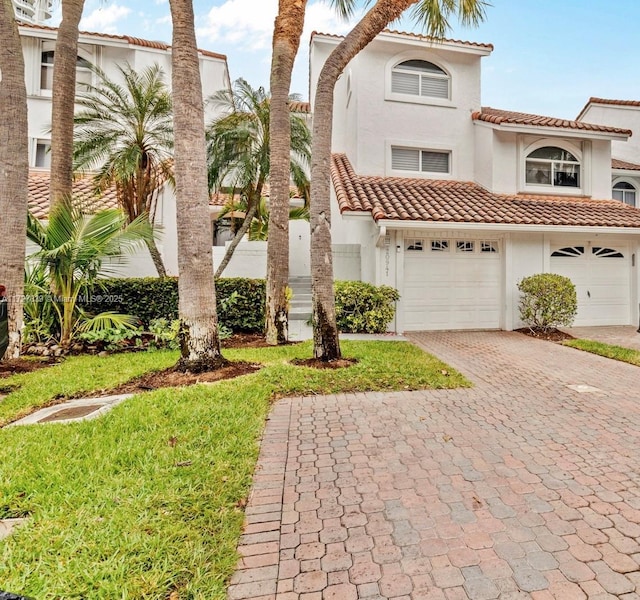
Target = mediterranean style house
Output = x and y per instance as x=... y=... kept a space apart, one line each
x=107 y=52
x=453 y=203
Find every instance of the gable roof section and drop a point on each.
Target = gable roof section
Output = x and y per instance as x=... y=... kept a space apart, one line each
x=502 y=117
x=440 y=201
x=83 y=193
x=133 y=41
x=607 y=101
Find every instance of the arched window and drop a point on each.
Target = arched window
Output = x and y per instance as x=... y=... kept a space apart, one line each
x=552 y=166
x=624 y=192
x=420 y=78
x=83 y=72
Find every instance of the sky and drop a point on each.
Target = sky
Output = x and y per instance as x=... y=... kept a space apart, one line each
x=550 y=56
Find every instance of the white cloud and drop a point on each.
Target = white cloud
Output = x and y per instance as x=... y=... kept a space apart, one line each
x=104 y=19
x=248 y=24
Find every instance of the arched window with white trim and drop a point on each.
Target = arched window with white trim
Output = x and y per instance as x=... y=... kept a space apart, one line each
x=420 y=78
x=553 y=167
x=625 y=192
x=84 y=75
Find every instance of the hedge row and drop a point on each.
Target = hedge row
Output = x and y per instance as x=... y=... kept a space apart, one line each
x=360 y=307
x=151 y=298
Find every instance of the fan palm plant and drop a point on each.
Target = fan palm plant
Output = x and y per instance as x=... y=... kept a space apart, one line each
x=124 y=132
x=238 y=150
x=73 y=247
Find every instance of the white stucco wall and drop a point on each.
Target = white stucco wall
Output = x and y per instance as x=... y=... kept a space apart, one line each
x=626 y=117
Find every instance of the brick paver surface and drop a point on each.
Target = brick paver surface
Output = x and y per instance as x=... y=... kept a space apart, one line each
x=626 y=336
x=522 y=487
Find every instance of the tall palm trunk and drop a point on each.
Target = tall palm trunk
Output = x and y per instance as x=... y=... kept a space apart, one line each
x=63 y=100
x=200 y=343
x=252 y=209
x=14 y=172
x=326 y=345
x=286 y=39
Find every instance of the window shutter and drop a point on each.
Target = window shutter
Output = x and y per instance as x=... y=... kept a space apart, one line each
x=405 y=83
x=435 y=162
x=435 y=87
x=405 y=159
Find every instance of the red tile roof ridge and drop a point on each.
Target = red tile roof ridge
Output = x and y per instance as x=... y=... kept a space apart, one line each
x=134 y=41
x=617 y=163
x=420 y=36
x=594 y=100
x=499 y=116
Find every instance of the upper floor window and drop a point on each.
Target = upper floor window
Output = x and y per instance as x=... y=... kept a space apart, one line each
x=83 y=72
x=420 y=78
x=624 y=192
x=42 y=156
x=552 y=166
x=417 y=160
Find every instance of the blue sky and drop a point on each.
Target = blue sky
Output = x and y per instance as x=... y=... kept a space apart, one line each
x=550 y=56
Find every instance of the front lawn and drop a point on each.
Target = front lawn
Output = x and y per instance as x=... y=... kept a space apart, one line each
x=145 y=502
x=627 y=355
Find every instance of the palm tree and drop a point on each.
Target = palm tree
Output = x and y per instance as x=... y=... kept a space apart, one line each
x=286 y=40
x=125 y=132
x=200 y=342
x=14 y=171
x=73 y=247
x=435 y=15
x=62 y=100
x=238 y=151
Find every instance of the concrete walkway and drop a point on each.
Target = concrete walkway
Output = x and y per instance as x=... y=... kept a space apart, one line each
x=526 y=486
x=626 y=336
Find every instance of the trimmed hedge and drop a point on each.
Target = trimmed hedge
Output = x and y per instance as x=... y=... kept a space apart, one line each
x=548 y=301
x=364 y=308
x=151 y=298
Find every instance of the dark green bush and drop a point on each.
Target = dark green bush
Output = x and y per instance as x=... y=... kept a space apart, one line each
x=364 y=308
x=151 y=298
x=548 y=301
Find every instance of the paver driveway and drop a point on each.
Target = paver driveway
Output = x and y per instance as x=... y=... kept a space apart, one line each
x=526 y=486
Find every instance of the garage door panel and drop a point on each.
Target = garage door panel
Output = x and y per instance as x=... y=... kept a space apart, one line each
x=603 y=284
x=451 y=290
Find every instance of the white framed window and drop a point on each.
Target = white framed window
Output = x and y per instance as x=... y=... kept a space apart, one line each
x=420 y=161
x=439 y=245
x=414 y=245
x=84 y=74
x=569 y=252
x=606 y=252
x=625 y=192
x=42 y=154
x=464 y=246
x=417 y=77
x=551 y=166
x=489 y=247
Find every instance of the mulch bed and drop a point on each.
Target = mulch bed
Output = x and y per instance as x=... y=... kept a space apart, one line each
x=23 y=365
x=248 y=340
x=551 y=335
x=316 y=363
x=174 y=378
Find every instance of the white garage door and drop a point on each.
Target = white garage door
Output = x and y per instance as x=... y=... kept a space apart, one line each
x=451 y=284
x=602 y=276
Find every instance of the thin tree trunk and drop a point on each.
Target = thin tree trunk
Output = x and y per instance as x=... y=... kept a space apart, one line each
x=326 y=344
x=156 y=257
x=251 y=213
x=200 y=343
x=63 y=100
x=286 y=39
x=14 y=172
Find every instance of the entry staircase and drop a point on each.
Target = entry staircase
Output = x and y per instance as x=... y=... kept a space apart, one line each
x=300 y=308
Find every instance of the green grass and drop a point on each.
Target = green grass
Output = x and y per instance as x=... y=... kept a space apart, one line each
x=119 y=511
x=627 y=355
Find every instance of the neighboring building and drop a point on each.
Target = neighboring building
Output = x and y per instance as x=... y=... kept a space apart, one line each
x=107 y=52
x=33 y=11
x=453 y=203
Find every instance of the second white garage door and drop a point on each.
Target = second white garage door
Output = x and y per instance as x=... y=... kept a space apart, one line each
x=451 y=284
x=602 y=276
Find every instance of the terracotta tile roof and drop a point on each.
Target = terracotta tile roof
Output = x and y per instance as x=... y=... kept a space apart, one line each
x=616 y=163
x=419 y=36
x=499 y=117
x=82 y=192
x=134 y=41
x=439 y=201
x=299 y=107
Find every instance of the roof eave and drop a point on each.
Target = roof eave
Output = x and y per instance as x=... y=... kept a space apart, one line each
x=506 y=227
x=555 y=131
